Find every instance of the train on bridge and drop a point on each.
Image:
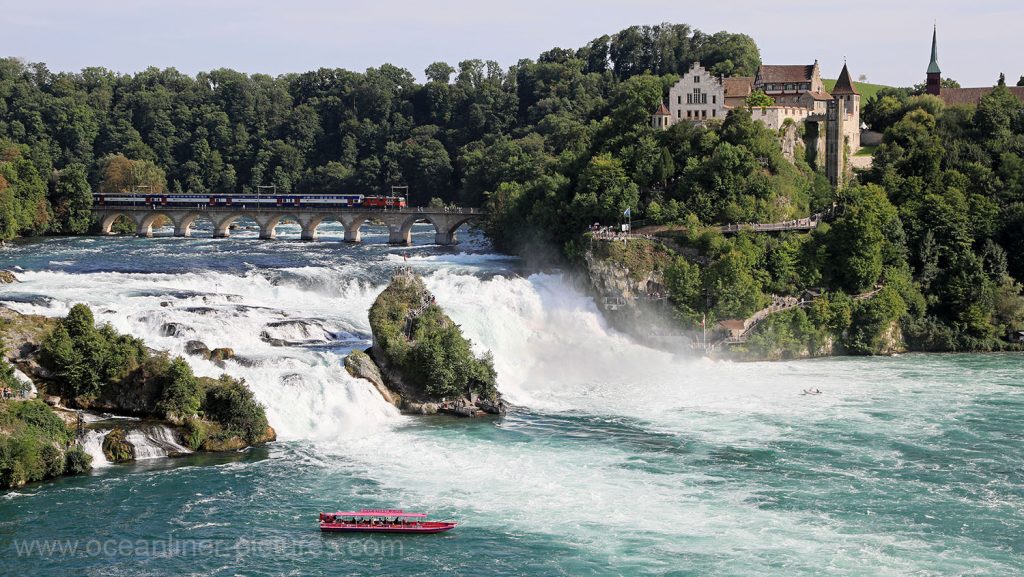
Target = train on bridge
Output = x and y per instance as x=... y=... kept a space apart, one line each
x=248 y=201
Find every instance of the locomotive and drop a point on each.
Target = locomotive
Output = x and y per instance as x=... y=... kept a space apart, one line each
x=247 y=201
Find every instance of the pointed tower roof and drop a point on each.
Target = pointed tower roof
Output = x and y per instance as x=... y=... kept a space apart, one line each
x=844 y=85
x=663 y=110
x=933 y=66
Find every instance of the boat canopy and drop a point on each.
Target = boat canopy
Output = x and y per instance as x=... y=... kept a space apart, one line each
x=377 y=513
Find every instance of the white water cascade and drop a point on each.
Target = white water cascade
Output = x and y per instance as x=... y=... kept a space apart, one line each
x=92 y=443
x=154 y=441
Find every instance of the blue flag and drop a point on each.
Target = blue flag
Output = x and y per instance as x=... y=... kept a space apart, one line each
x=627 y=213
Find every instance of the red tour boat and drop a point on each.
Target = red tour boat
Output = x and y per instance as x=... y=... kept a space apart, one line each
x=381 y=521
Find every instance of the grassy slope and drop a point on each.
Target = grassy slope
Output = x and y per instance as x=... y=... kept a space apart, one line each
x=865 y=89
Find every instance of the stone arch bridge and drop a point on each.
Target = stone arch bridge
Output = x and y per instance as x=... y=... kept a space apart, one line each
x=399 y=221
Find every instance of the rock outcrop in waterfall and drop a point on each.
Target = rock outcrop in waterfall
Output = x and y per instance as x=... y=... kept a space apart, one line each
x=419 y=361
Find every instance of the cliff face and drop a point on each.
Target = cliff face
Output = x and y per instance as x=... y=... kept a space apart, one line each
x=419 y=361
x=628 y=284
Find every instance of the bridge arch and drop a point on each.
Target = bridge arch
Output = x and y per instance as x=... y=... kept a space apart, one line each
x=353 y=224
x=269 y=223
x=222 y=227
x=107 y=221
x=183 y=227
x=405 y=228
x=446 y=229
x=145 y=222
x=309 y=228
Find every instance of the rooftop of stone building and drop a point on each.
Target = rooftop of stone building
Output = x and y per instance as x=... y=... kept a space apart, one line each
x=781 y=73
x=738 y=86
x=844 y=85
x=958 y=96
x=663 y=110
x=820 y=95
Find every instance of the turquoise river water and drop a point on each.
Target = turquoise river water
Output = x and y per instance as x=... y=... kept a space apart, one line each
x=615 y=460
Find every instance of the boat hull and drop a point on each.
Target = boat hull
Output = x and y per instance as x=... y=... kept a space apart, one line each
x=429 y=527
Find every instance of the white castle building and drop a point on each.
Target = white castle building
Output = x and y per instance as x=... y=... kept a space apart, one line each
x=832 y=120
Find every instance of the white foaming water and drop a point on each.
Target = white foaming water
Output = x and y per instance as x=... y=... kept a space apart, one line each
x=154 y=442
x=553 y=350
x=92 y=443
x=307 y=392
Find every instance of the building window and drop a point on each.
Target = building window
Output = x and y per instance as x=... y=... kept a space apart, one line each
x=704 y=113
x=714 y=99
x=713 y=112
x=689 y=99
x=679 y=113
x=689 y=113
x=679 y=99
x=696 y=79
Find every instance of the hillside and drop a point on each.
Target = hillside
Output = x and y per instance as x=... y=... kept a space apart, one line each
x=866 y=90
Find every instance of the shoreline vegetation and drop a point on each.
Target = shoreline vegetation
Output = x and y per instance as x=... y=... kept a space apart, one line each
x=551 y=146
x=70 y=363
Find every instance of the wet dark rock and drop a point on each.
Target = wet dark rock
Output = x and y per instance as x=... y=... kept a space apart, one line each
x=198 y=349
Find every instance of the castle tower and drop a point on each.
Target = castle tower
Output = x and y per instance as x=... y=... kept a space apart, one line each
x=933 y=84
x=842 y=127
x=661 y=119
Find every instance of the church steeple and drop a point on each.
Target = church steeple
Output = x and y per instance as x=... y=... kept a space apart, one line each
x=933 y=66
x=933 y=82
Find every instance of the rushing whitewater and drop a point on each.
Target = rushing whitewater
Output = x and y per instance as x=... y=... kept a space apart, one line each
x=617 y=460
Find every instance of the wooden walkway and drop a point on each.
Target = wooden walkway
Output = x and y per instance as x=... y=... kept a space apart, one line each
x=800 y=224
x=779 y=304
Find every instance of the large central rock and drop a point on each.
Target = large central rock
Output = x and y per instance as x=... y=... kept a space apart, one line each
x=419 y=359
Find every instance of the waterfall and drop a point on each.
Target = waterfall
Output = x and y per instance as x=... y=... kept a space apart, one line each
x=92 y=443
x=154 y=441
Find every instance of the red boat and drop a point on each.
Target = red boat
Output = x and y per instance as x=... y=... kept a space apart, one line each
x=381 y=521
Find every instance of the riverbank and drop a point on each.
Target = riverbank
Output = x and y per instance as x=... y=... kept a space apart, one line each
x=91 y=376
x=658 y=290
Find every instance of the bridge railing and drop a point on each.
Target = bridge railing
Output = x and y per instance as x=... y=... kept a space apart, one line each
x=284 y=208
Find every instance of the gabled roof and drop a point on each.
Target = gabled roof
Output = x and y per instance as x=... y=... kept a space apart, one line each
x=844 y=85
x=738 y=86
x=663 y=110
x=955 y=96
x=782 y=73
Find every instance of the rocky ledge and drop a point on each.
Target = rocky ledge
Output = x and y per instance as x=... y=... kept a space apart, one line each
x=48 y=356
x=419 y=361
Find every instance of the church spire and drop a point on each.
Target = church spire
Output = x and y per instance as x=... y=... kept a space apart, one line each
x=933 y=66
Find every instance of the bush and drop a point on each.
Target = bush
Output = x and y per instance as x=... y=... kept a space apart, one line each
x=116 y=446
x=31 y=448
x=182 y=394
x=195 y=433
x=76 y=461
x=230 y=403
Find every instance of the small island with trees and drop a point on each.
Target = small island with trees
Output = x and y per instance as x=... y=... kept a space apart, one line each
x=419 y=361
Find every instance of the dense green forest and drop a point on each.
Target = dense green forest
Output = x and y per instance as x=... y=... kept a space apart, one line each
x=333 y=130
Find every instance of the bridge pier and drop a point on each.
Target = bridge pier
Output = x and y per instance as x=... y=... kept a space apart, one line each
x=445 y=238
x=399 y=236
